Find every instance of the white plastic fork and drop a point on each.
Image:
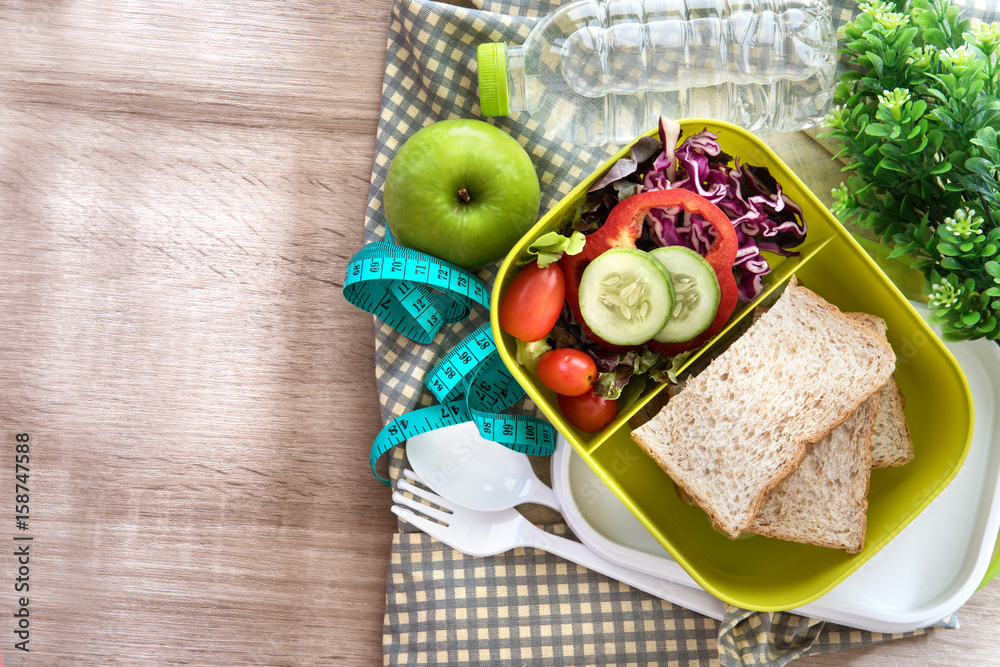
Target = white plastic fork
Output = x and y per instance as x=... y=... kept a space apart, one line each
x=477 y=533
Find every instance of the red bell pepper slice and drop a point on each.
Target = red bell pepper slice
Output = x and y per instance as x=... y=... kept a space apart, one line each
x=624 y=226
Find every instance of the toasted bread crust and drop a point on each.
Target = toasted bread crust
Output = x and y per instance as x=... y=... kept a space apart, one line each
x=729 y=461
x=891 y=442
x=825 y=502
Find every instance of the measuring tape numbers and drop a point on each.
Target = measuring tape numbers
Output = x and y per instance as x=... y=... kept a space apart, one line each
x=474 y=367
x=394 y=284
x=521 y=433
x=402 y=428
x=416 y=294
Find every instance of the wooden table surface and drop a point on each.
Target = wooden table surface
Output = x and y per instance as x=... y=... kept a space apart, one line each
x=181 y=185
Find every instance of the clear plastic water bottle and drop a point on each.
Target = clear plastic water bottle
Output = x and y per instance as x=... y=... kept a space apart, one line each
x=599 y=72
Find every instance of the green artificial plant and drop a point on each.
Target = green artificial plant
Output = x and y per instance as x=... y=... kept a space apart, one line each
x=917 y=115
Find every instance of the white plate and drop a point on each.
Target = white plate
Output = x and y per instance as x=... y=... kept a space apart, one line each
x=928 y=571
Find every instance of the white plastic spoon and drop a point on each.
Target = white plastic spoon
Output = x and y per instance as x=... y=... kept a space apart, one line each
x=459 y=464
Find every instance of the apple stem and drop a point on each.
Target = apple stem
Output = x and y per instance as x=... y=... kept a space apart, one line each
x=464 y=195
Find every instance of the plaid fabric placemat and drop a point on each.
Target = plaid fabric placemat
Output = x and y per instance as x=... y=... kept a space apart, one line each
x=526 y=607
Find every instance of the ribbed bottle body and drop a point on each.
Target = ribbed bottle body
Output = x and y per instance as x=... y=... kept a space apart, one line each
x=600 y=71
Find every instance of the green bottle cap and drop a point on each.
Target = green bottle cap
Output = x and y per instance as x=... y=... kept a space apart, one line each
x=492 y=60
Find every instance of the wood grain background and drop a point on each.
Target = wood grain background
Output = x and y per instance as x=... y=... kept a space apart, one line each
x=181 y=185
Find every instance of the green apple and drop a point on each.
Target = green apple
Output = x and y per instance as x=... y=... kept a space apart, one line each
x=461 y=190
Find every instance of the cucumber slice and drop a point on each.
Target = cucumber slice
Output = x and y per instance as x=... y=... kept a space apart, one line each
x=696 y=293
x=626 y=296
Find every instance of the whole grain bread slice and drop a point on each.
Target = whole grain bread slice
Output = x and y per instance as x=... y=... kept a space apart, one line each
x=825 y=501
x=891 y=442
x=744 y=424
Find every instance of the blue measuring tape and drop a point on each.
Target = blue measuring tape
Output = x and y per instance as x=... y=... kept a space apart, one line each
x=393 y=283
x=416 y=294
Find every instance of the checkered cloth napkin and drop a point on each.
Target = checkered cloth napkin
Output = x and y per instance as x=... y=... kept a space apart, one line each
x=527 y=607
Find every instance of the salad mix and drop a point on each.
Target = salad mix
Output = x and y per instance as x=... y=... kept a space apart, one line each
x=687 y=225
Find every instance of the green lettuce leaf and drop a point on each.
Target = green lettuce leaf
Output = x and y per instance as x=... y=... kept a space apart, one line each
x=528 y=354
x=549 y=248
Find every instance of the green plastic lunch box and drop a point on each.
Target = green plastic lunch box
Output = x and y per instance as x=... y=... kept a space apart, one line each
x=757 y=572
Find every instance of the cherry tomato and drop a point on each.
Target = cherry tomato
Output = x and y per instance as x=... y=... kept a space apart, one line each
x=587 y=412
x=567 y=371
x=532 y=303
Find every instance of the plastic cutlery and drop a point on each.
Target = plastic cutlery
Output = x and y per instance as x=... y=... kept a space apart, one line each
x=480 y=533
x=461 y=465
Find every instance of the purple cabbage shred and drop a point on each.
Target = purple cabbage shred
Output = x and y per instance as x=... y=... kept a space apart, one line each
x=765 y=219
